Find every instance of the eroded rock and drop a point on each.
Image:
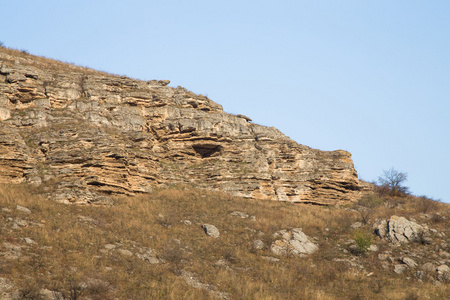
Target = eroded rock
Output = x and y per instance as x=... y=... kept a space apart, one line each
x=293 y=242
x=399 y=230
x=106 y=135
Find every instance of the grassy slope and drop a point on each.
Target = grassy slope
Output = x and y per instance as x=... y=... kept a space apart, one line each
x=70 y=241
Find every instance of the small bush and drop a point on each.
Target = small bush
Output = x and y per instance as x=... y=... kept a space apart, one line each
x=2 y=45
x=363 y=241
x=437 y=218
x=426 y=204
x=370 y=200
x=367 y=205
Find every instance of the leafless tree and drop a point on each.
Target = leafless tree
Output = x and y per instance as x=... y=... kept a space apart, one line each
x=393 y=180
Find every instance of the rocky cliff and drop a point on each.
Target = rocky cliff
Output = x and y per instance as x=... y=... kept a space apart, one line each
x=87 y=135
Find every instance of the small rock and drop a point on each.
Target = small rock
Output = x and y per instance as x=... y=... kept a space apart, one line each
x=383 y=256
x=356 y=225
x=270 y=258
x=444 y=254
x=18 y=223
x=5 y=285
x=125 y=252
x=187 y=222
x=399 y=269
x=373 y=248
x=164 y=82
x=258 y=245
x=409 y=262
x=239 y=214
x=5 y=209
x=244 y=117
x=86 y=219
x=148 y=256
x=211 y=230
x=420 y=275
x=385 y=265
x=46 y=294
x=443 y=273
x=23 y=209
x=110 y=246
x=221 y=263
x=29 y=241
x=443 y=269
x=428 y=267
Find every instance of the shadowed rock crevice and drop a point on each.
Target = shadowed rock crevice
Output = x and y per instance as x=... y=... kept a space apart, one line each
x=207 y=150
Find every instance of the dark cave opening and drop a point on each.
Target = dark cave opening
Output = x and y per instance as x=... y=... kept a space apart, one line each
x=207 y=150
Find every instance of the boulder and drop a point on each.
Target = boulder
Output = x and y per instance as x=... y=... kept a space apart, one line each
x=293 y=242
x=23 y=209
x=211 y=230
x=399 y=230
x=428 y=267
x=399 y=269
x=409 y=262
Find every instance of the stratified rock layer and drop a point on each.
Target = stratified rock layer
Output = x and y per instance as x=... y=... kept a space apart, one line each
x=93 y=134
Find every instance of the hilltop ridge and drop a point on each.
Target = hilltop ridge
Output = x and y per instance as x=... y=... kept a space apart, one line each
x=92 y=134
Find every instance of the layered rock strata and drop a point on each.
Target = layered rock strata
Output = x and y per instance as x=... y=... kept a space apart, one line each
x=92 y=134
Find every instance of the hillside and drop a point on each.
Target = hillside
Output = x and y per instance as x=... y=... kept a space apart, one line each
x=153 y=247
x=91 y=135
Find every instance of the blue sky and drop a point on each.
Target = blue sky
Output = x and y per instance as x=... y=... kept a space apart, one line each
x=369 y=77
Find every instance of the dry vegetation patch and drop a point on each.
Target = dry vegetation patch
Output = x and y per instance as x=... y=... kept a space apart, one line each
x=140 y=247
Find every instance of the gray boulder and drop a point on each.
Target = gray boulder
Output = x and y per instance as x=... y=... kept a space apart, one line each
x=211 y=230
x=23 y=209
x=293 y=242
x=409 y=262
x=399 y=230
x=399 y=269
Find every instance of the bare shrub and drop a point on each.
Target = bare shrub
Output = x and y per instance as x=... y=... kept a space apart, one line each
x=365 y=214
x=370 y=200
x=412 y=295
x=230 y=255
x=393 y=180
x=174 y=255
x=426 y=204
x=29 y=291
x=437 y=218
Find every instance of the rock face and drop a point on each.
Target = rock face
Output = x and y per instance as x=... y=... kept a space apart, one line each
x=93 y=134
x=400 y=230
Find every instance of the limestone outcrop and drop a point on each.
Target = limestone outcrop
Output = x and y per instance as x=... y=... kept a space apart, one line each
x=88 y=135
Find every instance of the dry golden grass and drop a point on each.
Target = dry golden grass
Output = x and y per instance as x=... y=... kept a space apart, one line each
x=50 y=64
x=70 y=249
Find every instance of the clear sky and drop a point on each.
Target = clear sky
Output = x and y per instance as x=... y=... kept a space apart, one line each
x=369 y=77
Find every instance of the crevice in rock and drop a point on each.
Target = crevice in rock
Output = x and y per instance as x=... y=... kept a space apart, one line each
x=207 y=150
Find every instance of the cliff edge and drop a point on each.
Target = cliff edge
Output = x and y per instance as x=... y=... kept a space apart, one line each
x=87 y=135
